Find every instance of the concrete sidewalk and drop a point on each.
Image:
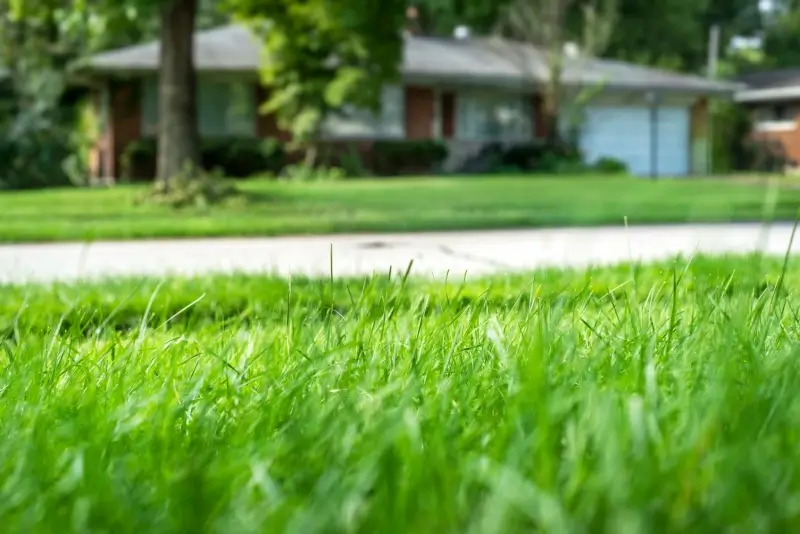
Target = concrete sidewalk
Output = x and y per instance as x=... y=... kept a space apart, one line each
x=474 y=253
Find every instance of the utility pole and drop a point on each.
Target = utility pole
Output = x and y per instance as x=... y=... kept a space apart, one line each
x=713 y=59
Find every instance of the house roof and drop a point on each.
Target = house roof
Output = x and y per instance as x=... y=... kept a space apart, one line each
x=445 y=60
x=771 y=85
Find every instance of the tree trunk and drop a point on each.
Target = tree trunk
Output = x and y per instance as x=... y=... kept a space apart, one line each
x=178 y=138
x=310 y=159
x=551 y=102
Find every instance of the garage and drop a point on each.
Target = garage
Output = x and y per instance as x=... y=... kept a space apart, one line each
x=624 y=133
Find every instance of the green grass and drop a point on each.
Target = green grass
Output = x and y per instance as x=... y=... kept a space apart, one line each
x=631 y=399
x=391 y=206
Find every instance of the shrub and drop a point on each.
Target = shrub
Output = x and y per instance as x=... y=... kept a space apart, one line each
x=243 y=157
x=33 y=161
x=524 y=156
x=765 y=155
x=352 y=163
x=531 y=157
x=138 y=160
x=231 y=157
x=610 y=166
x=408 y=157
x=301 y=172
x=37 y=141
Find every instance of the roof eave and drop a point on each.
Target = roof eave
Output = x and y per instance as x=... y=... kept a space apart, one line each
x=147 y=70
x=767 y=95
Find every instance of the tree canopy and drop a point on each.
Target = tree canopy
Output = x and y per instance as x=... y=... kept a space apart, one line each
x=323 y=55
x=667 y=33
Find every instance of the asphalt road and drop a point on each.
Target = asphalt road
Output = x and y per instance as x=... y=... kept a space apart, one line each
x=437 y=254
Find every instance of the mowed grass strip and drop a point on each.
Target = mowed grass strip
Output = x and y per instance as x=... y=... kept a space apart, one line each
x=632 y=399
x=270 y=208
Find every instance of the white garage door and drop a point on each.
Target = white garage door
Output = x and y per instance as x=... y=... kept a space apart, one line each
x=624 y=133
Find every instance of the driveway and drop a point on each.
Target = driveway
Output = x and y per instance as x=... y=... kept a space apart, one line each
x=474 y=253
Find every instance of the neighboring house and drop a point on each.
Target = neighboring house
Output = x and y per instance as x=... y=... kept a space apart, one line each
x=467 y=92
x=773 y=99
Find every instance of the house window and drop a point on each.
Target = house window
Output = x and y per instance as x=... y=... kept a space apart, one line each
x=494 y=116
x=778 y=117
x=354 y=123
x=224 y=109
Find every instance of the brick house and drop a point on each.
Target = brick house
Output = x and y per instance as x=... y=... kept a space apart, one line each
x=773 y=101
x=466 y=92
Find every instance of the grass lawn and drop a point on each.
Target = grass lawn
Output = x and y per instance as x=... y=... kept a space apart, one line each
x=391 y=206
x=649 y=399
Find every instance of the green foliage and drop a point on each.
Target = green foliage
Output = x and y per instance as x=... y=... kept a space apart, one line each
x=352 y=163
x=39 y=137
x=674 y=33
x=734 y=147
x=35 y=160
x=781 y=44
x=191 y=189
x=669 y=33
x=231 y=157
x=392 y=158
x=441 y=17
x=37 y=123
x=610 y=166
x=324 y=55
x=243 y=157
x=545 y=159
x=300 y=172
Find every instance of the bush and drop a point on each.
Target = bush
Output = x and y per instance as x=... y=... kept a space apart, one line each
x=531 y=157
x=231 y=157
x=34 y=161
x=562 y=158
x=391 y=158
x=301 y=172
x=610 y=166
x=37 y=141
x=350 y=160
x=243 y=157
x=765 y=155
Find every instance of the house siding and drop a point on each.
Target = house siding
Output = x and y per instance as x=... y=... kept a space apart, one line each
x=125 y=119
x=788 y=139
x=418 y=118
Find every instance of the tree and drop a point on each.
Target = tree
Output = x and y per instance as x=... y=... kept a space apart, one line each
x=178 y=136
x=440 y=17
x=544 y=24
x=35 y=139
x=674 y=33
x=323 y=56
x=49 y=36
x=668 y=33
x=781 y=43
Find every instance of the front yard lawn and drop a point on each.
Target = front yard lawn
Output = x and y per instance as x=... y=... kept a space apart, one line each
x=392 y=205
x=658 y=398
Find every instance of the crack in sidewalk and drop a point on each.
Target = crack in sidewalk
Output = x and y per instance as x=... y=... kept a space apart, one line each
x=447 y=251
